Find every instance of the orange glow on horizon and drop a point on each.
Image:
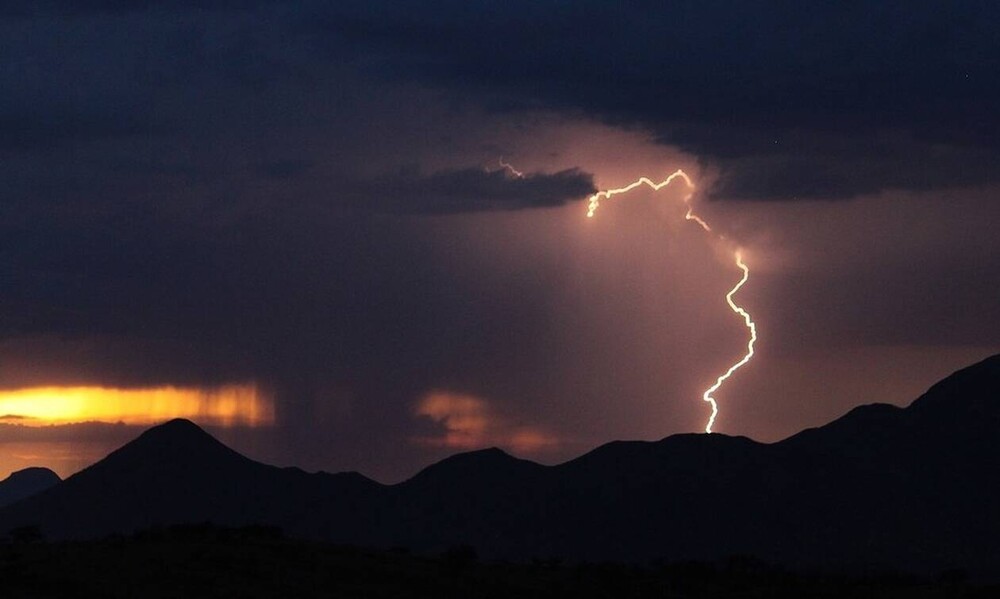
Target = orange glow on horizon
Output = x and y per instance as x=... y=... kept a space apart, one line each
x=227 y=405
x=470 y=422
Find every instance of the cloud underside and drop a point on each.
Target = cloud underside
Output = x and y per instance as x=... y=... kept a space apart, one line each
x=787 y=100
x=471 y=190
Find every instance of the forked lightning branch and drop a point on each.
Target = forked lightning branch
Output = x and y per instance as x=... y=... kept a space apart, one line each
x=595 y=201
x=709 y=394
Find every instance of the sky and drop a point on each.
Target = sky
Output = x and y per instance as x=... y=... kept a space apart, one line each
x=290 y=222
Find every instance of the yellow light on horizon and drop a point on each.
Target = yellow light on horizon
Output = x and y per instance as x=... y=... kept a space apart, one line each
x=227 y=405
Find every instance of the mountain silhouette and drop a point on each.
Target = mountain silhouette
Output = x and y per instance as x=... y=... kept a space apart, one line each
x=25 y=483
x=178 y=473
x=904 y=488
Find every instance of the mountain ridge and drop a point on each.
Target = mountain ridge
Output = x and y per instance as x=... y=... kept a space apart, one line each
x=882 y=486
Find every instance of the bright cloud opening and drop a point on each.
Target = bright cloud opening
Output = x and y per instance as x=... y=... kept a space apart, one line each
x=227 y=405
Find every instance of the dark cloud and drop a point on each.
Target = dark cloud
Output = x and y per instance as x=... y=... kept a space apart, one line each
x=82 y=431
x=201 y=193
x=28 y=131
x=472 y=190
x=830 y=100
x=849 y=168
x=283 y=169
x=731 y=82
x=25 y=8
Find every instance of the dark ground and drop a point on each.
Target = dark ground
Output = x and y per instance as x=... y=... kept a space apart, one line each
x=203 y=561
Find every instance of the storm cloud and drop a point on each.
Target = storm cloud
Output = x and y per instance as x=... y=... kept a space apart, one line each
x=473 y=190
x=308 y=195
x=828 y=101
x=790 y=100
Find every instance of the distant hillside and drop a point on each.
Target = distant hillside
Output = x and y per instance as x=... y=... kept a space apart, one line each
x=176 y=472
x=25 y=483
x=880 y=487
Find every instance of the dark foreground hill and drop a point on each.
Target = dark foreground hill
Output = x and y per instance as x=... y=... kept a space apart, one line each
x=25 y=483
x=910 y=489
x=202 y=561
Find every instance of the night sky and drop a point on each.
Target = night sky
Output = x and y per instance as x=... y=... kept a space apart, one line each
x=305 y=199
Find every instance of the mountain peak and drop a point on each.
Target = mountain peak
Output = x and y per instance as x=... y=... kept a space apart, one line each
x=175 y=432
x=33 y=473
x=25 y=483
x=177 y=426
x=973 y=387
x=174 y=445
x=492 y=461
x=471 y=460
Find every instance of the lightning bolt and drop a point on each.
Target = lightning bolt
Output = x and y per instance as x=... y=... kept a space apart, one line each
x=511 y=169
x=751 y=327
x=595 y=202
